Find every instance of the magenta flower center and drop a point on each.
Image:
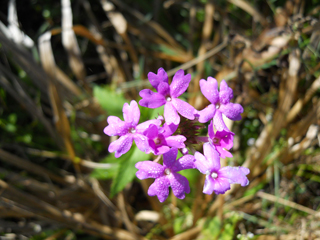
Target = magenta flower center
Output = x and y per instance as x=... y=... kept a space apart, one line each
x=217 y=105
x=157 y=141
x=167 y=171
x=132 y=130
x=216 y=140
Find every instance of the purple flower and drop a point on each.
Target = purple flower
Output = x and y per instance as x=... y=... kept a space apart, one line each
x=160 y=139
x=128 y=130
x=221 y=141
x=168 y=95
x=220 y=103
x=166 y=175
x=218 y=179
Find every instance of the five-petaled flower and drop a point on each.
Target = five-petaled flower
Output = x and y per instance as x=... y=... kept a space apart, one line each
x=166 y=175
x=221 y=141
x=160 y=139
x=220 y=104
x=128 y=130
x=167 y=95
x=218 y=179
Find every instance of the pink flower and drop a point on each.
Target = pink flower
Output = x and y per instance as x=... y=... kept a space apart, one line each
x=220 y=103
x=218 y=179
x=168 y=95
x=166 y=175
x=221 y=141
x=128 y=130
x=160 y=139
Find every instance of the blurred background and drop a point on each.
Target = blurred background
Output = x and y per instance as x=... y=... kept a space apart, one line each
x=65 y=66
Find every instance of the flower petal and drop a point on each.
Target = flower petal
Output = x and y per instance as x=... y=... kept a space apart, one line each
x=226 y=139
x=113 y=120
x=144 y=125
x=226 y=93
x=208 y=186
x=170 y=157
x=179 y=185
x=142 y=142
x=176 y=141
x=211 y=131
x=121 y=145
x=185 y=162
x=218 y=121
x=160 y=187
x=161 y=150
x=201 y=163
x=218 y=185
x=131 y=113
x=212 y=156
x=151 y=99
x=184 y=108
x=207 y=113
x=164 y=89
x=168 y=129
x=149 y=169
x=180 y=83
x=170 y=114
x=151 y=132
x=223 y=153
x=235 y=175
x=209 y=89
x=232 y=110
x=156 y=79
x=116 y=127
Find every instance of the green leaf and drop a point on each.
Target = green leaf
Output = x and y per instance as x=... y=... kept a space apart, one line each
x=109 y=100
x=149 y=114
x=211 y=228
x=126 y=171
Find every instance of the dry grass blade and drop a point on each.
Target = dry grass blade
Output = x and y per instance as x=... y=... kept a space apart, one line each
x=25 y=101
x=285 y=202
x=33 y=168
x=31 y=184
x=122 y=206
x=110 y=63
x=60 y=118
x=14 y=31
x=154 y=25
x=25 y=60
x=271 y=131
x=120 y=24
x=295 y=110
x=67 y=82
x=70 y=43
x=249 y=9
x=98 y=191
x=125 y=86
x=72 y=220
x=189 y=234
x=197 y=101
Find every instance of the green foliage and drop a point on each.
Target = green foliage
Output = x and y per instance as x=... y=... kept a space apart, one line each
x=211 y=228
x=183 y=221
x=109 y=100
x=253 y=190
x=126 y=170
x=122 y=169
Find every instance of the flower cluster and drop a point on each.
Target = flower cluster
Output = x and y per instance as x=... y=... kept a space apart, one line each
x=177 y=130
